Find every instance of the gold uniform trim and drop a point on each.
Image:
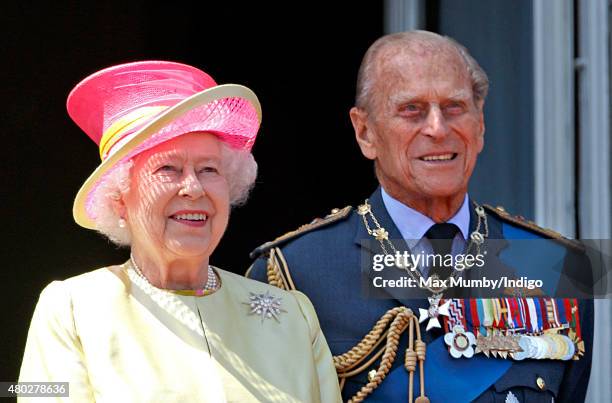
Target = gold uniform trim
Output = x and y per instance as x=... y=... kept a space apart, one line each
x=522 y=222
x=335 y=215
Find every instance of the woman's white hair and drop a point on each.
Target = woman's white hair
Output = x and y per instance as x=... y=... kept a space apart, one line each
x=238 y=166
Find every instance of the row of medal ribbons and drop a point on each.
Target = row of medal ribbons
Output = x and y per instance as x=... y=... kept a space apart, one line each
x=514 y=328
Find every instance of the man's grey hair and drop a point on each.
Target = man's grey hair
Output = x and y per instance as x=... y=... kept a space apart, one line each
x=239 y=168
x=367 y=71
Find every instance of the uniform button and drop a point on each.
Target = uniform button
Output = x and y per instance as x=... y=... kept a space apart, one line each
x=540 y=382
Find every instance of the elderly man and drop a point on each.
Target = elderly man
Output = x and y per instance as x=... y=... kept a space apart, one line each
x=419 y=117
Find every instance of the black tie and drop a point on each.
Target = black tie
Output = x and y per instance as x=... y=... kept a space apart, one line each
x=441 y=238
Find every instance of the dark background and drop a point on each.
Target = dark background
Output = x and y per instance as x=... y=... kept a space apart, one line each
x=301 y=62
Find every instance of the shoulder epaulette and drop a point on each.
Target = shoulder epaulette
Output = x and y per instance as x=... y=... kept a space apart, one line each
x=522 y=222
x=335 y=215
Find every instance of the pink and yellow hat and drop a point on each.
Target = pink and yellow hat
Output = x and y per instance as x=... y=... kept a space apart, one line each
x=132 y=107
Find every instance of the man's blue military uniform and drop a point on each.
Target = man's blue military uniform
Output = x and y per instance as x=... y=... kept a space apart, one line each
x=324 y=260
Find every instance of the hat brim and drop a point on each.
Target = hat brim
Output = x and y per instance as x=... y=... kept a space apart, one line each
x=79 y=210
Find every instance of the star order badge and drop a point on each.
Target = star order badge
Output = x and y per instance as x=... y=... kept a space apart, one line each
x=510 y=398
x=265 y=305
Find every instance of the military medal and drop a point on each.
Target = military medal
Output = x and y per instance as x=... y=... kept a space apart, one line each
x=571 y=350
x=460 y=342
x=434 y=311
x=497 y=344
x=526 y=349
x=516 y=328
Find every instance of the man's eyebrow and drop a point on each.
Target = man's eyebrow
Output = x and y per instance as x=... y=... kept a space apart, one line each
x=462 y=94
x=410 y=97
x=404 y=98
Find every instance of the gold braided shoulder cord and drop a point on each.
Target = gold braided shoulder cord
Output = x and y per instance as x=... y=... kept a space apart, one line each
x=277 y=270
x=389 y=327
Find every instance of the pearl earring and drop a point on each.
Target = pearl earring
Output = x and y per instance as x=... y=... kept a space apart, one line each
x=121 y=223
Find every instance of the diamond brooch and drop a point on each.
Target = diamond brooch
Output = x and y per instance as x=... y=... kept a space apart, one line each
x=265 y=305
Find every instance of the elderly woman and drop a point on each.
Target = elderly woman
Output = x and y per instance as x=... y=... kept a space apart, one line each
x=166 y=325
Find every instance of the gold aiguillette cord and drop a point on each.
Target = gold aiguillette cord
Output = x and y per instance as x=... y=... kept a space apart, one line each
x=397 y=320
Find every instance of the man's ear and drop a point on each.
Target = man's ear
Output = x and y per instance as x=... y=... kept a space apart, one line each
x=363 y=134
x=481 y=128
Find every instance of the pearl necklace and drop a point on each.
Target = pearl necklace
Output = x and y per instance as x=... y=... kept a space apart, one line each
x=212 y=284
